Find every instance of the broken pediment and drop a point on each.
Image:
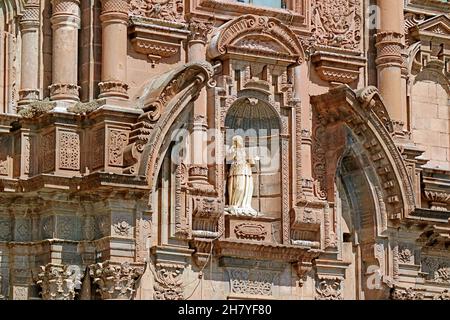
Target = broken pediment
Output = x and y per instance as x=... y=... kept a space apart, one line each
x=250 y=36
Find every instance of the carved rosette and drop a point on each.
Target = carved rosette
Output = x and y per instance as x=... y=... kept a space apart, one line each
x=168 y=282
x=115 y=281
x=337 y=23
x=389 y=49
x=58 y=282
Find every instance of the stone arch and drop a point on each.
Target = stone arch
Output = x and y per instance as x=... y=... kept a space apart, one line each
x=9 y=10
x=162 y=100
x=256 y=35
x=363 y=112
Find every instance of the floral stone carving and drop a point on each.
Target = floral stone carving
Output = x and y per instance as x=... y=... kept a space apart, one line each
x=168 y=282
x=58 y=282
x=115 y=281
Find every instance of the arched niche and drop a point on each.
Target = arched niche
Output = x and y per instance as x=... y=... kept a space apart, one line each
x=259 y=123
x=430 y=114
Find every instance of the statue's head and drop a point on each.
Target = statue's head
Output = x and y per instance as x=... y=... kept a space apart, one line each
x=238 y=141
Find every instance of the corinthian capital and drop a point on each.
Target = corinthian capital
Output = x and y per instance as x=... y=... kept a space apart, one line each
x=199 y=30
x=115 y=281
x=58 y=282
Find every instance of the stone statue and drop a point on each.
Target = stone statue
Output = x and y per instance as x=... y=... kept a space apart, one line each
x=240 y=181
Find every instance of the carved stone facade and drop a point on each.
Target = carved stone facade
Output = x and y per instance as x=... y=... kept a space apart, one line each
x=116 y=131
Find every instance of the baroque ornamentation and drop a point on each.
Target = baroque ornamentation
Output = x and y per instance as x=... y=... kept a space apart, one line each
x=199 y=30
x=168 y=282
x=437 y=268
x=337 y=23
x=115 y=281
x=118 y=140
x=250 y=231
x=408 y=294
x=169 y=10
x=122 y=228
x=405 y=256
x=329 y=289
x=444 y=295
x=69 y=150
x=58 y=282
x=251 y=282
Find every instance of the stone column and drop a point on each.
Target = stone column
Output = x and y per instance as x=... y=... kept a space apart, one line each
x=65 y=24
x=29 y=27
x=197 y=52
x=389 y=59
x=114 y=19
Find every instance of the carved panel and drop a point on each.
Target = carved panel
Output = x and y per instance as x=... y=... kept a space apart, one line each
x=69 y=150
x=251 y=282
x=329 y=289
x=169 y=10
x=438 y=269
x=117 y=141
x=337 y=23
x=168 y=282
x=408 y=294
x=252 y=231
x=48 y=152
x=97 y=154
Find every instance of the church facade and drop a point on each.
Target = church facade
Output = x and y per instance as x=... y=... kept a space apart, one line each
x=221 y=149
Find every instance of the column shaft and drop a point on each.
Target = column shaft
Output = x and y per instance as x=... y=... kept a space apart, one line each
x=65 y=24
x=29 y=26
x=114 y=19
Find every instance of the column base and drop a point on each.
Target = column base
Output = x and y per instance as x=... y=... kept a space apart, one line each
x=113 y=89
x=64 y=91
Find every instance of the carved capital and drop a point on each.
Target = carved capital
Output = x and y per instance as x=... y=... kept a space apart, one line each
x=115 y=281
x=114 y=9
x=389 y=49
x=28 y=95
x=30 y=17
x=66 y=12
x=199 y=30
x=64 y=91
x=116 y=89
x=58 y=282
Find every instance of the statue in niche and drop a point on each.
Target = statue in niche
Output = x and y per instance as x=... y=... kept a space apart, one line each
x=240 y=181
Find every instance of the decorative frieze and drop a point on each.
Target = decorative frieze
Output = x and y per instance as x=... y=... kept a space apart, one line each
x=168 y=10
x=115 y=281
x=406 y=294
x=251 y=282
x=58 y=282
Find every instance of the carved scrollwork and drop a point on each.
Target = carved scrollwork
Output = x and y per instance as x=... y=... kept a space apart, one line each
x=406 y=294
x=250 y=231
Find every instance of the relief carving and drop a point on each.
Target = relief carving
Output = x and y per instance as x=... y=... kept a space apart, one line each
x=118 y=140
x=115 y=281
x=48 y=152
x=251 y=282
x=329 y=289
x=69 y=150
x=58 y=282
x=122 y=228
x=408 y=294
x=337 y=23
x=250 y=231
x=168 y=10
x=168 y=282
